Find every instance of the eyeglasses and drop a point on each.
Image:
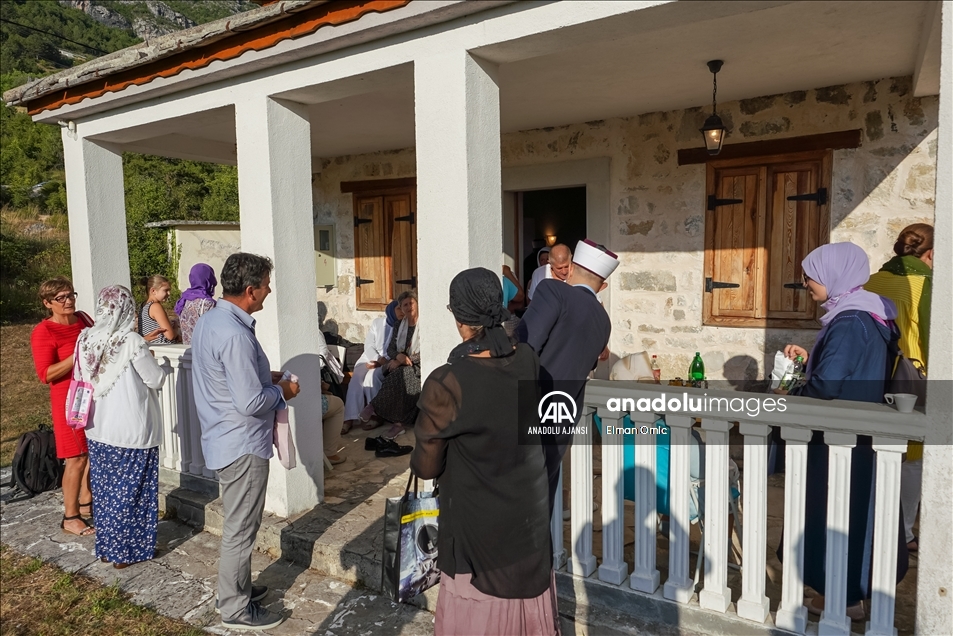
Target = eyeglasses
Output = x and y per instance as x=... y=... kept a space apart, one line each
x=62 y=298
x=805 y=278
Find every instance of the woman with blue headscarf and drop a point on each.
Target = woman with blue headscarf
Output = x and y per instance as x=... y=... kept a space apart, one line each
x=367 y=377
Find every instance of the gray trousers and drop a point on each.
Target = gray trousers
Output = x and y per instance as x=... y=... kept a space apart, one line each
x=243 y=484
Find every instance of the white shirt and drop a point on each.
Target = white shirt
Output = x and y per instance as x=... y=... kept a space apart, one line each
x=541 y=273
x=129 y=415
x=375 y=344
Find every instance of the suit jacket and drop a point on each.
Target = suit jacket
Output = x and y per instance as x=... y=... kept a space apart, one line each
x=568 y=328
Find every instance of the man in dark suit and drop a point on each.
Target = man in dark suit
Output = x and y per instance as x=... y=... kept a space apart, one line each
x=569 y=328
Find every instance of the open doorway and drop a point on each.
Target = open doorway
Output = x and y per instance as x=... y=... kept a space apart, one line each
x=548 y=217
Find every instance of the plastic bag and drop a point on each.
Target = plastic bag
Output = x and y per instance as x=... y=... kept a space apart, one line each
x=782 y=365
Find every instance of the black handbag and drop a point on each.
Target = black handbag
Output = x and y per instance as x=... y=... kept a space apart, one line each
x=908 y=374
x=410 y=543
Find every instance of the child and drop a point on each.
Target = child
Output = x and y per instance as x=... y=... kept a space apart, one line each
x=154 y=324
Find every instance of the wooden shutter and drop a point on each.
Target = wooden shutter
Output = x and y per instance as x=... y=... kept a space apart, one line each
x=734 y=255
x=402 y=217
x=763 y=216
x=371 y=266
x=795 y=226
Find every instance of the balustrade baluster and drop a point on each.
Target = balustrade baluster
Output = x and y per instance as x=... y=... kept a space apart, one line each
x=679 y=586
x=834 y=618
x=583 y=562
x=886 y=523
x=792 y=615
x=645 y=578
x=613 y=569
x=753 y=604
x=715 y=595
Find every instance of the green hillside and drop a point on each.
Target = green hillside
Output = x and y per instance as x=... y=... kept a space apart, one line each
x=40 y=37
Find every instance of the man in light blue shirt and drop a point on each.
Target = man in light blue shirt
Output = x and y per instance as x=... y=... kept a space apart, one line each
x=236 y=395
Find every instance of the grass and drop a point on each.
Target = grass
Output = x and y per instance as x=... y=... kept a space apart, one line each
x=42 y=599
x=24 y=401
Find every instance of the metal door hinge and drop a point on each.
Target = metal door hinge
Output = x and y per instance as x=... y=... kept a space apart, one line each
x=711 y=285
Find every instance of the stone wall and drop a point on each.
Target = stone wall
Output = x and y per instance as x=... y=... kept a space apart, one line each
x=658 y=207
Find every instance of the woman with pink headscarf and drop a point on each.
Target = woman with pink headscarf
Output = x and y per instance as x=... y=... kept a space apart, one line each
x=849 y=361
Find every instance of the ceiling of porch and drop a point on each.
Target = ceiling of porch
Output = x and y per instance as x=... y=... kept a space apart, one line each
x=649 y=60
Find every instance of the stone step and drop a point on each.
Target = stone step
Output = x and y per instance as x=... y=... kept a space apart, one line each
x=339 y=539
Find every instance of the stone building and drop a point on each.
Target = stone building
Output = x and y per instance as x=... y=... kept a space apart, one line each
x=423 y=133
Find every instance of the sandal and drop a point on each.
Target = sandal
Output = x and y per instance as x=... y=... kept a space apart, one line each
x=366 y=413
x=335 y=459
x=346 y=427
x=88 y=530
x=372 y=424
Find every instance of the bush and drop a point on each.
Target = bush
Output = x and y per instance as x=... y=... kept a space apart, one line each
x=25 y=262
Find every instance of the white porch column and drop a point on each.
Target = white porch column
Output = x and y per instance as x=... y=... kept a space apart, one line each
x=679 y=587
x=935 y=573
x=645 y=577
x=274 y=192
x=614 y=569
x=715 y=595
x=886 y=518
x=97 y=217
x=459 y=206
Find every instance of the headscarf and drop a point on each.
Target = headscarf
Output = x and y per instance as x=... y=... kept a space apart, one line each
x=843 y=268
x=544 y=250
x=107 y=348
x=391 y=313
x=476 y=300
x=202 y=286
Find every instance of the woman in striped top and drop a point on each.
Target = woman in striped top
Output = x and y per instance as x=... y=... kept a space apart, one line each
x=907 y=279
x=154 y=324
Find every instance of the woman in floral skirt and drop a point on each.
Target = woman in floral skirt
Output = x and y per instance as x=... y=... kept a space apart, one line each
x=123 y=434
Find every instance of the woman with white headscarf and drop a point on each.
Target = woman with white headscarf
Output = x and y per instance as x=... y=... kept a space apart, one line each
x=123 y=434
x=396 y=402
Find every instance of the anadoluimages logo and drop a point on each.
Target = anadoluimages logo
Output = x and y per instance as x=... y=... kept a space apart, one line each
x=552 y=411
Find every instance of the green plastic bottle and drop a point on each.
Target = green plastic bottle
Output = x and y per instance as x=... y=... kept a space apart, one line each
x=697 y=371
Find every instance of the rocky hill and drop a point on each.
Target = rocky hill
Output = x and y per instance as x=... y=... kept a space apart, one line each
x=152 y=18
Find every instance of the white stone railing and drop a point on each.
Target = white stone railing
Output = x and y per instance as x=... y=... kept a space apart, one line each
x=181 y=447
x=841 y=422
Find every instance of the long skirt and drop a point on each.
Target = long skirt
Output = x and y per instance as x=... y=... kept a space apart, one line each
x=463 y=610
x=125 y=483
x=397 y=399
x=364 y=385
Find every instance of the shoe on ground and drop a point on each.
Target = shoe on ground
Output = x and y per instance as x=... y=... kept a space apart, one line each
x=389 y=448
x=258 y=592
x=254 y=618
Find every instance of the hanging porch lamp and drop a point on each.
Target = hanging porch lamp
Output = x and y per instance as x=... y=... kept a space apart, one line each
x=714 y=129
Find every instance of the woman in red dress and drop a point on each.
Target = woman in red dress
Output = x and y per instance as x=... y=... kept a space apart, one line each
x=53 y=342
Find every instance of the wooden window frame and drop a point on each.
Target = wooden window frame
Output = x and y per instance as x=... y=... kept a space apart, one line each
x=767 y=162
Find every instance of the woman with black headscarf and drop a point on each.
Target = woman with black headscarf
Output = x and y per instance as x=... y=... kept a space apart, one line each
x=494 y=547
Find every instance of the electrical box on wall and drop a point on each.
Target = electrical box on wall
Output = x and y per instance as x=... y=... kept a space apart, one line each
x=324 y=269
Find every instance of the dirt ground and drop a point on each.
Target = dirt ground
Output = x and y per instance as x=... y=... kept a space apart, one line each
x=24 y=401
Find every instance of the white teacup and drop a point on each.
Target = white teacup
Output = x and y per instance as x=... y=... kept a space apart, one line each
x=905 y=401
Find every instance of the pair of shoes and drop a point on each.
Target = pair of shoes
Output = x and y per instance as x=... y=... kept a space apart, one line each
x=394 y=432
x=88 y=530
x=254 y=617
x=258 y=592
x=335 y=459
x=373 y=443
x=389 y=448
